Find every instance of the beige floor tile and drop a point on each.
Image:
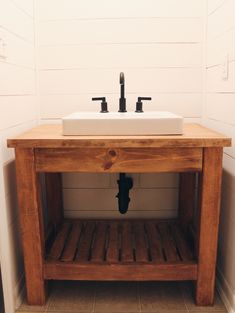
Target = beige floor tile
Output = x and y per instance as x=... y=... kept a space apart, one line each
x=160 y=296
x=72 y=297
x=188 y=294
x=117 y=297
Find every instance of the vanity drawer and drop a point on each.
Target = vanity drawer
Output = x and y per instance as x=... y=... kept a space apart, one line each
x=132 y=160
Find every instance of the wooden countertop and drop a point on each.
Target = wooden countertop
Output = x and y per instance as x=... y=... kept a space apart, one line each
x=50 y=136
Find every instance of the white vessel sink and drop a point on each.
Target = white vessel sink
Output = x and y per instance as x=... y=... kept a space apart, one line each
x=130 y=123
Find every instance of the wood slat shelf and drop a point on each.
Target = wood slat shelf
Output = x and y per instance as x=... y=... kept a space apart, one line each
x=138 y=245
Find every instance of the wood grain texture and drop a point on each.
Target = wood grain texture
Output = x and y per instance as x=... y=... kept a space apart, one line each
x=132 y=160
x=127 y=272
x=187 y=194
x=208 y=225
x=54 y=198
x=28 y=189
x=50 y=136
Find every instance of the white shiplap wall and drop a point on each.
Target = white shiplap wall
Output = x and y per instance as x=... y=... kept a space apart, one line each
x=19 y=111
x=219 y=113
x=84 y=45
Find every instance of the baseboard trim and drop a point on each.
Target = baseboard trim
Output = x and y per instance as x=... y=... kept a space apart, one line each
x=19 y=292
x=225 y=292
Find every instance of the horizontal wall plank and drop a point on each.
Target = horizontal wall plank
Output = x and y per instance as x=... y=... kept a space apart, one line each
x=16 y=80
x=57 y=106
x=105 y=199
x=16 y=21
x=114 y=214
x=25 y=50
x=131 y=160
x=71 y=9
x=87 y=180
x=17 y=110
x=219 y=107
x=213 y=5
x=215 y=83
x=100 y=180
x=159 y=180
x=219 y=47
x=26 y=5
x=131 y=55
x=149 y=80
x=222 y=19
x=120 y=31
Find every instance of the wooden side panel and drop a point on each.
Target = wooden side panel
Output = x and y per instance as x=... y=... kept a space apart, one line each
x=208 y=225
x=135 y=160
x=187 y=198
x=54 y=198
x=28 y=188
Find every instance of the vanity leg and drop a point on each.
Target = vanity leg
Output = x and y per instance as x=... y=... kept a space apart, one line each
x=54 y=196
x=208 y=224
x=186 y=199
x=31 y=221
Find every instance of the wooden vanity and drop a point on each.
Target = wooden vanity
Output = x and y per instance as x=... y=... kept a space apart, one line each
x=175 y=249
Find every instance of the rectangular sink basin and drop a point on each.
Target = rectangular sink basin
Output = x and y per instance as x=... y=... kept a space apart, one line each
x=130 y=123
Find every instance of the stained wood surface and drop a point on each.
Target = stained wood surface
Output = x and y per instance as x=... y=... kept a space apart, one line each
x=120 y=242
x=121 y=250
x=32 y=230
x=50 y=136
x=210 y=185
x=120 y=272
x=134 y=160
x=54 y=198
x=187 y=196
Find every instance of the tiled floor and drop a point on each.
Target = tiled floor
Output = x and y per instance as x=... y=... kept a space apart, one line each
x=122 y=297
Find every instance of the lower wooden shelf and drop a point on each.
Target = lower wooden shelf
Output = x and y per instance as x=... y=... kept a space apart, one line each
x=120 y=250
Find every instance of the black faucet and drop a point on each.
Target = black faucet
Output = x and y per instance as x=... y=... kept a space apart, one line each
x=122 y=100
x=124 y=185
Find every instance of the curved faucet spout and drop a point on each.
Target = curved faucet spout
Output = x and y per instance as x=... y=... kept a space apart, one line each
x=122 y=100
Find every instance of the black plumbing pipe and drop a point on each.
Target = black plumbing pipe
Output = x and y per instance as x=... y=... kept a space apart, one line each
x=124 y=186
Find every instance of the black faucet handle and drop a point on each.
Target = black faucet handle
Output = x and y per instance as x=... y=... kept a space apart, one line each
x=139 y=104
x=104 y=104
